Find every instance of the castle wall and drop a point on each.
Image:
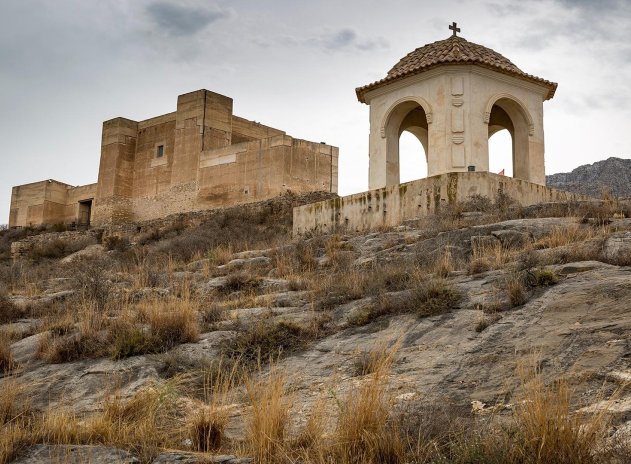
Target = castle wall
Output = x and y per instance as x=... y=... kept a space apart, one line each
x=246 y=172
x=47 y=202
x=391 y=206
x=198 y=157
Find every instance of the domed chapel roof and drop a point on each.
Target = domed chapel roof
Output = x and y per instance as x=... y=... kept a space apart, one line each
x=454 y=50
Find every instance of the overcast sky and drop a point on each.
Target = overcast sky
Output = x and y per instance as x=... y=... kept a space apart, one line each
x=68 y=65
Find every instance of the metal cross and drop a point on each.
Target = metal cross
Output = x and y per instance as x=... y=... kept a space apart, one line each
x=454 y=28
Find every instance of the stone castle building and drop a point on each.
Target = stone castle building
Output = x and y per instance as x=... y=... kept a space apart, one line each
x=201 y=156
x=453 y=95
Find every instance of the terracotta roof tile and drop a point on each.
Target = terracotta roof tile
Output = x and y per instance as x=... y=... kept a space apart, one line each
x=454 y=50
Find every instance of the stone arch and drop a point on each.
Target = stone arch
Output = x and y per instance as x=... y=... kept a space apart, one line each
x=504 y=111
x=418 y=100
x=411 y=114
x=518 y=104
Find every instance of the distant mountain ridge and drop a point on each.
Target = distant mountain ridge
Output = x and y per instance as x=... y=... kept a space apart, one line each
x=612 y=175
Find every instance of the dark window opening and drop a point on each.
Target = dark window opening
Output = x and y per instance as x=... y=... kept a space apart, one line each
x=160 y=151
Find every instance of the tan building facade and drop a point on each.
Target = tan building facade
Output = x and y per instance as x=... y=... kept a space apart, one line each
x=199 y=157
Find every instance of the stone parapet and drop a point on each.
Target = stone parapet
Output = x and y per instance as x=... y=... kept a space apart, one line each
x=392 y=206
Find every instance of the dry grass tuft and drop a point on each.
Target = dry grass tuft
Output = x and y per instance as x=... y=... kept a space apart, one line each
x=547 y=430
x=561 y=236
x=207 y=425
x=268 y=424
x=7 y=364
x=516 y=290
x=362 y=434
x=479 y=265
x=433 y=297
x=486 y=320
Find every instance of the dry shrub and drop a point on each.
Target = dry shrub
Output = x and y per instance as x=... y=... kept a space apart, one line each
x=336 y=289
x=58 y=248
x=9 y=312
x=169 y=323
x=268 y=340
x=429 y=297
x=211 y=313
x=268 y=424
x=433 y=296
x=239 y=282
x=543 y=277
x=516 y=290
x=477 y=202
x=444 y=265
x=91 y=281
x=144 y=424
x=88 y=341
x=173 y=322
x=597 y=213
x=479 y=265
x=15 y=414
x=296 y=259
x=220 y=254
x=116 y=243
x=14 y=402
x=309 y=440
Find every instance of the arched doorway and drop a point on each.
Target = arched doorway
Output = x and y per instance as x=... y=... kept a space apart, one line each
x=509 y=128
x=405 y=128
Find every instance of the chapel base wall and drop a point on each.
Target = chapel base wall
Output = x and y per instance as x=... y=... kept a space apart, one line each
x=392 y=206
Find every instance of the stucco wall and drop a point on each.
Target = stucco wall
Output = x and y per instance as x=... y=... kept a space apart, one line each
x=455 y=99
x=391 y=206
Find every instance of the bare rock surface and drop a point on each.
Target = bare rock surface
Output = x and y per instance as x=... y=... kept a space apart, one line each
x=91 y=251
x=75 y=454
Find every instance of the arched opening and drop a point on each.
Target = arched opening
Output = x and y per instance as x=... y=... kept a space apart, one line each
x=407 y=142
x=509 y=129
x=412 y=157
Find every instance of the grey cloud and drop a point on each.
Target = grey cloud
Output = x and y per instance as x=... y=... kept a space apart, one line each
x=340 y=39
x=178 y=19
x=345 y=39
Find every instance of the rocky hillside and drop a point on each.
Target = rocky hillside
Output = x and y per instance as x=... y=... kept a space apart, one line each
x=612 y=176
x=469 y=337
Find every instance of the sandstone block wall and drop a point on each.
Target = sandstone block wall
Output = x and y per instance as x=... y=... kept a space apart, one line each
x=391 y=206
x=47 y=202
x=201 y=156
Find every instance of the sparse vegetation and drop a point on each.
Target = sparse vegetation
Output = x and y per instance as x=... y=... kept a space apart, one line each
x=147 y=297
x=516 y=290
x=266 y=340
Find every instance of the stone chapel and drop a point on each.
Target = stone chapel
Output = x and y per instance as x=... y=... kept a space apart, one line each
x=453 y=95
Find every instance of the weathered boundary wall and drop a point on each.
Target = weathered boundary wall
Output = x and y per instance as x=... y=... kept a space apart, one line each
x=391 y=206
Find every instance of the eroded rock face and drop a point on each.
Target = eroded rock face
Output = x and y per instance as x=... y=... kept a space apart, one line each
x=617 y=247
